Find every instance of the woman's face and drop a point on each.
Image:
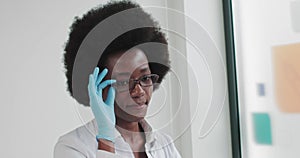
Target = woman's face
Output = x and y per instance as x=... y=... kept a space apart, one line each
x=131 y=103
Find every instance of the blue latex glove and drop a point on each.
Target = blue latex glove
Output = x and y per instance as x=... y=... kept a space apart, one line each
x=102 y=110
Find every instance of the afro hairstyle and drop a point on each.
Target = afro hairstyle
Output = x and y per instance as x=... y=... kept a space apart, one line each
x=130 y=39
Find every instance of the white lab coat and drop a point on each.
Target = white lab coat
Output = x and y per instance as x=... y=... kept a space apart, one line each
x=82 y=143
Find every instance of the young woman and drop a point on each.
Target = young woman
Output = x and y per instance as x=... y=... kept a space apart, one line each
x=119 y=88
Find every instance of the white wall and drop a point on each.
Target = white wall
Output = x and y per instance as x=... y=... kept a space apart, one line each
x=36 y=109
x=206 y=62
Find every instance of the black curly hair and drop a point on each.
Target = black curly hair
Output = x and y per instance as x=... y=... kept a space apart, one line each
x=133 y=38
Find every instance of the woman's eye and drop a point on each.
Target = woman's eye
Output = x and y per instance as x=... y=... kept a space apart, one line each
x=145 y=78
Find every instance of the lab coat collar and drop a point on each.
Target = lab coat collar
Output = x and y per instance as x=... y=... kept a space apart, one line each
x=149 y=134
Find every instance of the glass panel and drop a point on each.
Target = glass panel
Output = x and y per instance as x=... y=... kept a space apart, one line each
x=266 y=46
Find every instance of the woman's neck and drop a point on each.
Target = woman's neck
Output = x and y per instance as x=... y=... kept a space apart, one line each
x=129 y=130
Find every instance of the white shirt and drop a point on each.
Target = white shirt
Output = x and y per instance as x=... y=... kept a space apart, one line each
x=82 y=143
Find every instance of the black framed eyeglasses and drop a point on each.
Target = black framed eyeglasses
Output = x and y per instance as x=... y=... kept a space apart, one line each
x=144 y=81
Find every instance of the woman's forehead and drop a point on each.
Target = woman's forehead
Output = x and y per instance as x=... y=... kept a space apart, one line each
x=127 y=73
x=128 y=62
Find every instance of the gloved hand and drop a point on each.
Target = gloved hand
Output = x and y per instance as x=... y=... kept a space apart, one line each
x=102 y=110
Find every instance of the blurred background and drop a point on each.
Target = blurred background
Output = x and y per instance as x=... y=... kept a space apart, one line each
x=267 y=50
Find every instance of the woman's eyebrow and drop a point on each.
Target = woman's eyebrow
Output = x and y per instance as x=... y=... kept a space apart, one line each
x=144 y=69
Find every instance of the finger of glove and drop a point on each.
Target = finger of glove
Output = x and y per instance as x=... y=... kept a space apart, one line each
x=100 y=76
x=91 y=85
x=105 y=84
x=110 y=97
x=95 y=73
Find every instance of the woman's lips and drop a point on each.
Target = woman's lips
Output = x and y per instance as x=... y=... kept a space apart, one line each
x=137 y=106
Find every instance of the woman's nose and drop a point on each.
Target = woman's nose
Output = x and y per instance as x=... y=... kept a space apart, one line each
x=137 y=91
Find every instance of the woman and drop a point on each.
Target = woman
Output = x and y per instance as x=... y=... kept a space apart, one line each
x=119 y=88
